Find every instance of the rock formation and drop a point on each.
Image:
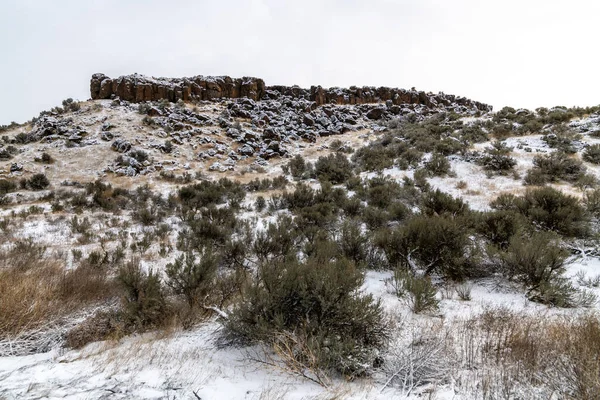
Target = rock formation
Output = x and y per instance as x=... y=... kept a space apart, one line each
x=139 y=88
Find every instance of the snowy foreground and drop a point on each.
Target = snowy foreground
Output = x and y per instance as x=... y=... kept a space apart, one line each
x=189 y=364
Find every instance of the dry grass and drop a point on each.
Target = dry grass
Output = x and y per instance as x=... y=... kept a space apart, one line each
x=515 y=354
x=35 y=290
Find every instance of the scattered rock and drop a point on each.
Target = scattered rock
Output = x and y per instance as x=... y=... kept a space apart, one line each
x=121 y=145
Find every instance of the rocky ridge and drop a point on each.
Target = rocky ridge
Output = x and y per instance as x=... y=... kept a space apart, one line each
x=139 y=88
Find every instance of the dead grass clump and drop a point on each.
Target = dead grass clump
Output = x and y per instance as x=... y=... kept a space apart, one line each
x=36 y=291
x=559 y=355
x=101 y=326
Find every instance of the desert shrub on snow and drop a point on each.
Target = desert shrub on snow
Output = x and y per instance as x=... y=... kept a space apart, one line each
x=497 y=159
x=192 y=277
x=209 y=226
x=45 y=158
x=438 y=165
x=592 y=154
x=260 y=204
x=316 y=303
x=139 y=155
x=353 y=243
x=562 y=139
x=298 y=167
x=143 y=303
x=499 y=226
x=416 y=290
x=36 y=182
x=193 y=198
x=37 y=293
x=554 y=167
x=591 y=202
x=374 y=157
x=431 y=244
x=334 y=168
x=7 y=186
x=537 y=261
x=440 y=203
x=548 y=209
x=278 y=241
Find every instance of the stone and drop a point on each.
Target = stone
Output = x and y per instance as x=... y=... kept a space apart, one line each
x=14 y=167
x=120 y=145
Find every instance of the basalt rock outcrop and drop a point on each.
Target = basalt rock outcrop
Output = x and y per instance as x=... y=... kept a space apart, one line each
x=139 y=88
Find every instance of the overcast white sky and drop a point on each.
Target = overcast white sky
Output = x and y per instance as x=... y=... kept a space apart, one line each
x=525 y=53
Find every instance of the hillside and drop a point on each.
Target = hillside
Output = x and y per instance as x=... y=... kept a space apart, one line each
x=214 y=237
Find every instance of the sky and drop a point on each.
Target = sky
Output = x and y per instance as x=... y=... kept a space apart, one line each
x=525 y=53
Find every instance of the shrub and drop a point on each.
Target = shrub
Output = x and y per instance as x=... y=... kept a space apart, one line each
x=318 y=301
x=192 y=278
x=548 y=209
x=36 y=293
x=440 y=203
x=143 y=304
x=562 y=140
x=592 y=154
x=7 y=186
x=497 y=158
x=45 y=159
x=139 y=155
x=538 y=263
x=554 y=167
x=417 y=291
x=167 y=147
x=438 y=165
x=353 y=244
x=334 y=168
x=100 y=326
x=298 y=167
x=260 y=204
x=279 y=240
x=431 y=244
x=71 y=105
x=37 y=182
x=592 y=202
x=499 y=226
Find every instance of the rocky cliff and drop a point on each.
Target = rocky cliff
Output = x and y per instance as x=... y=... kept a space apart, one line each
x=138 y=88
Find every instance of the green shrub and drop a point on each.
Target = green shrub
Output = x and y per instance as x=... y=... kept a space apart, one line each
x=298 y=167
x=592 y=202
x=592 y=154
x=7 y=186
x=431 y=244
x=317 y=302
x=37 y=182
x=260 y=204
x=497 y=159
x=554 y=167
x=334 y=168
x=353 y=243
x=537 y=262
x=144 y=305
x=418 y=291
x=278 y=241
x=45 y=159
x=498 y=227
x=139 y=155
x=374 y=157
x=440 y=203
x=562 y=139
x=192 y=278
x=548 y=209
x=438 y=165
